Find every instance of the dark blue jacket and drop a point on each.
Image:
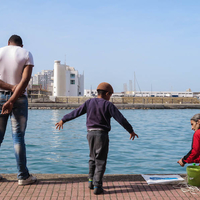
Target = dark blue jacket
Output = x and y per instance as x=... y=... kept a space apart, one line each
x=99 y=111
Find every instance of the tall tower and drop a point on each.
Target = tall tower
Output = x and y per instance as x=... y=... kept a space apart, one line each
x=134 y=84
x=125 y=88
x=130 y=87
x=59 y=86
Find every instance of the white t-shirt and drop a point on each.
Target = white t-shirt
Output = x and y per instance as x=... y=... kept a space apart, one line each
x=12 y=62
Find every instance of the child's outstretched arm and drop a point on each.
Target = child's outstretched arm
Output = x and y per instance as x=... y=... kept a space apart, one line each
x=72 y=115
x=132 y=135
x=59 y=124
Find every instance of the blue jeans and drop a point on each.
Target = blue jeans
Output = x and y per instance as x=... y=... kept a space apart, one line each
x=18 y=116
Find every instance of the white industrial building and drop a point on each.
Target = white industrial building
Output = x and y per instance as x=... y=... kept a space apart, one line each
x=90 y=93
x=67 y=81
x=93 y=93
x=159 y=94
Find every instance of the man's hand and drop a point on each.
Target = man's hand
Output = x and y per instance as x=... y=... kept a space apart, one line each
x=59 y=124
x=181 y=162
x=19 y=89
x=7 y=108
x=6 y=86
x=132 y=135
x=14 y=88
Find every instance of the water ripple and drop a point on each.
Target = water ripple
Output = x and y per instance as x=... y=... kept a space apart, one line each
x=164 y=137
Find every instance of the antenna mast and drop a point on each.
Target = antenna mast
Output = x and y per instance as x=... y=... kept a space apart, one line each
x=130 y=87
x=134 y=85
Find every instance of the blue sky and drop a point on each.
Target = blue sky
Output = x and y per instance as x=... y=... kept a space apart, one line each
x=109 y=40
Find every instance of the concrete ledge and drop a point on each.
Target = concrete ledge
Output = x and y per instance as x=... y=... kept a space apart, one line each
x=119 y=106
x=81 y=177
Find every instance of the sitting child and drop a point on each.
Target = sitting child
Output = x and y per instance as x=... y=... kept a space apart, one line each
x=193 y=155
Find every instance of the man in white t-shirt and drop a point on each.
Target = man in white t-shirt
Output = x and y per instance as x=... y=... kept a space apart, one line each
x=16 y=66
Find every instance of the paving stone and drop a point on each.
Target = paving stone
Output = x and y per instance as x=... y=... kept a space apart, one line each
x=75 y=187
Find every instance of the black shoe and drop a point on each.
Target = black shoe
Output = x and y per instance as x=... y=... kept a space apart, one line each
x=90 y=185
x=98 y=190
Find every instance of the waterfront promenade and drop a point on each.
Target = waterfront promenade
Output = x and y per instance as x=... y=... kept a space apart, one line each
x=119 y=106
x=74 y=187
x=120 y=102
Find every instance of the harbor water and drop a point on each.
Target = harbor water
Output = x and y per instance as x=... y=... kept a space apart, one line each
x=165 y=136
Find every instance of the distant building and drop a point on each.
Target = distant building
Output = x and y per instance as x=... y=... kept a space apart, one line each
x=90 y=93
x=159 y=94
x=43 y=78
x=67 y=81
x=189 y=90
x=93 y=93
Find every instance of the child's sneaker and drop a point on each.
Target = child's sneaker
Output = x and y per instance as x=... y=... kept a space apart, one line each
x=90 y=184
x=98 y=190
x=31 y=179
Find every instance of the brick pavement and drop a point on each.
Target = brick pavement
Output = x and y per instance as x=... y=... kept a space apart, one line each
x=75 y=187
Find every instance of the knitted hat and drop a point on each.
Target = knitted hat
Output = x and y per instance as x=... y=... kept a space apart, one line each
x=106 y=87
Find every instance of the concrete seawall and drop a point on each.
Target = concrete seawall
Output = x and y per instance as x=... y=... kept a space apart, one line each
x=119 y=106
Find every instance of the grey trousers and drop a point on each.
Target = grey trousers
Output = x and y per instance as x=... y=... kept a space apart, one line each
x=99 y=144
